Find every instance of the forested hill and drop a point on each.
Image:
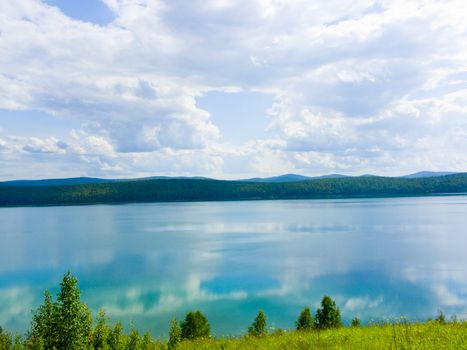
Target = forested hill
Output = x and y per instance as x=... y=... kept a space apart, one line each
x=167 y=190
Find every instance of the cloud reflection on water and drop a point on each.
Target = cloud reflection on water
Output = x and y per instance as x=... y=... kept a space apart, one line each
x=146 y=263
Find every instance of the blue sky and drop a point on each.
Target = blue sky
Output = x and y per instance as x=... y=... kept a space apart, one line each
x=231 y=88
x=93 y=11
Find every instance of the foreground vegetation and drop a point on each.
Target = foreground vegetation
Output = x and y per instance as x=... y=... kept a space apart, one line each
x=67 y=324
x=429 y=335
x=164 y=190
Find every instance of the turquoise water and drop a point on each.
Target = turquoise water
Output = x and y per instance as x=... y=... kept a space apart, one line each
x=146 y=263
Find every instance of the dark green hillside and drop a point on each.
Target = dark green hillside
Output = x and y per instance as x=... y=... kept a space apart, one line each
x=163 y=190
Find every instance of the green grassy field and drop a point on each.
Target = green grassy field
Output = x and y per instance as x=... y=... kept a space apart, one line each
x=428 y=335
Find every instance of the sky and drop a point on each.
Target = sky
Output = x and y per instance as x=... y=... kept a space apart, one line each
x=231 y=88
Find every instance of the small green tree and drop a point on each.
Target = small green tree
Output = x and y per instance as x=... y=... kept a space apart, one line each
x=329 y=315
x=175 y=335
x=9 y=342
x=73 y=321
x=305 y=321
x=134 y=340
x=147 y=342
x=43 y=332
x=18 y=343
x=116 y=339
x=355 y=322
x=6 y=341
x=441 y=318
x=36 y=343
x=101 y=332
x=195 y=325
x=258 y=327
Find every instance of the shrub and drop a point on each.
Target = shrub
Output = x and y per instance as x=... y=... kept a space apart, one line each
x=64 y=324
x=258 y=327
x=116 y=339
x=43 y=328
x=278 y=332
x=175 y=335
x=195 y=325
x=101 y=332
x=147 y=343
x=355 y=322
x=305 y=321
x=329 y=315
x=6 y=341
x=74 y=325
x=134 y=340
x=441 y=319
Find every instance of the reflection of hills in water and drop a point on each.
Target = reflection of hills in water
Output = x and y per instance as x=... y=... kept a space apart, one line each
x=146 y=263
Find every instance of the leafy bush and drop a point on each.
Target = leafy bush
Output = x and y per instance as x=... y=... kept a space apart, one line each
x=258 y=327
x=101 y=333
x=64 y=324
x=6 y=341
x=441 y=319
x=175 y=335
x=195 y=325
x=116 y=339
x=329 y=315
x=305 y=321
x=134 y=340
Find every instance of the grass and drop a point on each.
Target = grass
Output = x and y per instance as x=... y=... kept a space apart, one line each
x=402 y=335
x=428 y=335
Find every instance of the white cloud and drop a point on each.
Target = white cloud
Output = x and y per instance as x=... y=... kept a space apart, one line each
x=16 y=303
x=3 y=145
x=362 y=303
x=48 y=145
x=373 y=86
x=446 y=297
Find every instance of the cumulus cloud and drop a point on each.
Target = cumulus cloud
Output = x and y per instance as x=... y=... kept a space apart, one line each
x=48 y=145
x=3 y=145
x=374 y=86
x=362 y=303
x=17 y=301
x=446 y=297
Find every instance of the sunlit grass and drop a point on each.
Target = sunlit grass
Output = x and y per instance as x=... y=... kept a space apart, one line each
x=429 y=335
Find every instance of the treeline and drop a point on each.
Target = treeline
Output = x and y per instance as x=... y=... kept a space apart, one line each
x=166 y=190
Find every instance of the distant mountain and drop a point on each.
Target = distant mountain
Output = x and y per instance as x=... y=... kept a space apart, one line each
x=164 y=178
x=87 y=180
x=291 y=178
x=280 y=178
x=422 y=174
x=274 y=179
x=332 y=176
x=55 y=182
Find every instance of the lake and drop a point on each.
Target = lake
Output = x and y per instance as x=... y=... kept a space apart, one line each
x=146 y=263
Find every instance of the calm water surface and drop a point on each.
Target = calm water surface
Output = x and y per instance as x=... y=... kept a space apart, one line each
x=146 y=263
